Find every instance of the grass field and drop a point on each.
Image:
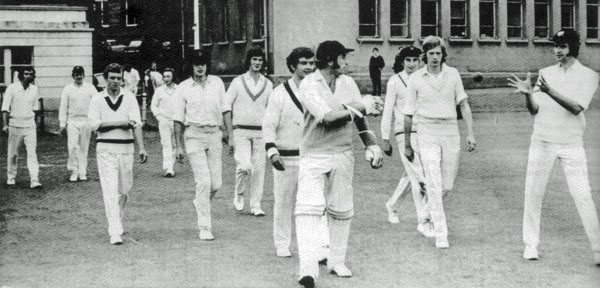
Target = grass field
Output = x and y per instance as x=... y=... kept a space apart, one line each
x=57 y=237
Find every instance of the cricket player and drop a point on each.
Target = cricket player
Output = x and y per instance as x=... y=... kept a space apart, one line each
x=563 y=92
x=113 y=114
x=198 y=114
x=413 y=177
x=20 y=104
x=162 y=108
x=434 y=92
x=282 y=133
x=131 y=79
x=73 y=115
x=247 y=99
x=331 y=103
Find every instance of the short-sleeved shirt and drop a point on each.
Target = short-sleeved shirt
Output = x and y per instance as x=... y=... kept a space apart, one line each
x=20 y=104
x=105 y=109
x=282 y=124
x=317 y=99
x=195 y=105
x=433 y=99
x=397 y=90
x=75 y=103
x=163 y=101
x=246 y=109
x=553 y=123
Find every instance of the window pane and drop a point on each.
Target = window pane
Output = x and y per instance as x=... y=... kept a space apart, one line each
x=398 y=10
x=541 y=32
x=486 y=13
x=514 y=14
x=514 y=33
x=592 y=16
x=592 y=33
x=259 y=20
x=366 y=30
x=22 y=55
x=457 y=10
x=366 y=11
x=429 y=13
x=541 y=15
x=458 y=19
x=401 y=31
x=428 y=31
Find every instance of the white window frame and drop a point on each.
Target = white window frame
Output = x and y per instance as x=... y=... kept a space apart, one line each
x=548 y=18
x=404 y=22
x=6 y=52
x=522 y=26
x=127 y=15
x=102 y=7
x=466 y=25
x=494 y=22
x=437 y=18
x=597 y=27
x=573 y=11
x=377 y=34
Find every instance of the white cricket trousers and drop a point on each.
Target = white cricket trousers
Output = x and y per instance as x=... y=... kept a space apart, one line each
x=167 y=141
x=116 y=179
x=324 y=185
x=439 y=157
x=17 y=135
x=78 y=142
x=204 y=149
x=542 y=156
x=285 y=187
x=411 y=178
x=250 y=157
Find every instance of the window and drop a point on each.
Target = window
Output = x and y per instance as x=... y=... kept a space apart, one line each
x=224 y=34
x=593 y=9
x=207 y=22
x=132 y=13
x=514 y=10
x=259 y=19
x=542 y=18
x=13 y=59
x=368 y=18
x=567 y=14
x=487 y=19
x=459 y=18
x=240 y=31
x=399 y=18
x=104 y=15
x=430 y=18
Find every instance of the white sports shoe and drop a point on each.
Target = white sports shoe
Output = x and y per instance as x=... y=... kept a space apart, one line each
x=206 y=235
x=442 y=243
x=393 y=218
x=341 y=271
x=10 y=182
x=284 y=253
x=426 y=229
x=258 y=212
x=238 y=202
x=530 y=253
x=35 y=184
x=116 y=240
x=73 y=177
x=170 y=173
x=82 y=177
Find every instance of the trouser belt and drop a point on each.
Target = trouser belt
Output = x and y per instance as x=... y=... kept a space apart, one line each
x=248 y=127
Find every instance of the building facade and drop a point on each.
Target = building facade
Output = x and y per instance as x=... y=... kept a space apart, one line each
x=51 y=38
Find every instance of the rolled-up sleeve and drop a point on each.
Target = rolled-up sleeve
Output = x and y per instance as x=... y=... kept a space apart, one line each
x=586 y=92
x=94 y=119
x=179 y=104
x=388 y=110
x=410 y=102
x=134 y=110
x=312 y=101
x=459 y=89
x=7 y=101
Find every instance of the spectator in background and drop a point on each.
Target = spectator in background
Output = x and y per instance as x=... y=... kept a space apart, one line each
x=131 y=78
x=376 y=64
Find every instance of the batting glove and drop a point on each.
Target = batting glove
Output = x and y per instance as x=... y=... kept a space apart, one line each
x=374 y=155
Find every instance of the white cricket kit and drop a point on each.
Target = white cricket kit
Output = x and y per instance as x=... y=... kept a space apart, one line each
x=21 y=104
x=432 y=102
x=325 y=172
x=161 y=106
x=114 y=152
x=73 y=113
x=247 y=100
x=201 y=110
x=282 y=133
x=397 y=89
x=131 y=80
x=558 y=134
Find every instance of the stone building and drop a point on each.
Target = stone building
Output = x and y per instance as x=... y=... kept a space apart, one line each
x=51 y=38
